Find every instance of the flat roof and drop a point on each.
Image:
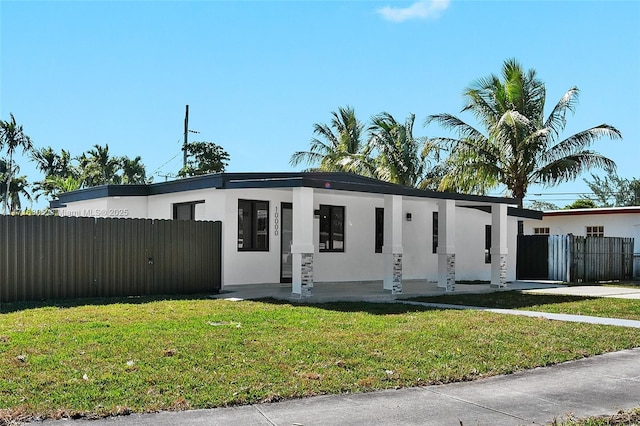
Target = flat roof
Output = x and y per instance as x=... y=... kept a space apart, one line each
x=342 y=181
x=593 y=211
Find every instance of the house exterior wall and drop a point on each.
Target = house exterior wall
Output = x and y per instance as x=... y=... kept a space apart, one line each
x=358 y=262
x=115 y=207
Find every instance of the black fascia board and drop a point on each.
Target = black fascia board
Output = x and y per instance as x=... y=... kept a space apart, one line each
x=103 y=191
x=321 y=180
x=187 y=184
x=513 y=211
x=375 y=186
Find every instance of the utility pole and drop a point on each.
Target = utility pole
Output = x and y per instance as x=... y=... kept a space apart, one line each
x=186 y=133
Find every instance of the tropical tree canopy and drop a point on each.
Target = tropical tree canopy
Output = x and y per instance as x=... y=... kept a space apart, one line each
x=400 y=156
x=64 y=173
x=518 y=145
x=204 y=158
x=17 y=188
x=12 y=138
x=338 y=147
x=613 y=191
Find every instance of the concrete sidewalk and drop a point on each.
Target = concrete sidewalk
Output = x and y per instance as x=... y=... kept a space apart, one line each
x=600 y=385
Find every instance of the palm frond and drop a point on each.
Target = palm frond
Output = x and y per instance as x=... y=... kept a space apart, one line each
x=570 y=167
x=557 y=119
x=580 y=141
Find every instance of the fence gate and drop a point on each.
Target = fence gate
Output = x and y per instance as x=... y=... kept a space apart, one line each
x=532 y=257
x=46 y=257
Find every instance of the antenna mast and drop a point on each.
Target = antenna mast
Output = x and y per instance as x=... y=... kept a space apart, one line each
x=186 y=133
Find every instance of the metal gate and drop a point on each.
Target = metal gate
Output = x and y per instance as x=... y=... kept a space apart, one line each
x=46 y=257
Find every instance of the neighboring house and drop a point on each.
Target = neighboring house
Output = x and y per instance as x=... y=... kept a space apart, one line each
x=597 y=222
x=327 y=227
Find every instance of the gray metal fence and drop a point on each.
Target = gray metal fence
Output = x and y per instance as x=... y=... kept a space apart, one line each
x=573 y=258
x=601 y=258
x=46 y=257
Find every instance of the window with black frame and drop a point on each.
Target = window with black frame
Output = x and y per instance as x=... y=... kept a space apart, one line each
x=253 y=225
x=487 y=244
x=185 y=211
x=331 y=228
x=379 y=229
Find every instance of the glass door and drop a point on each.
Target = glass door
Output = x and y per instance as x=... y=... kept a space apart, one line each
x=286 y=239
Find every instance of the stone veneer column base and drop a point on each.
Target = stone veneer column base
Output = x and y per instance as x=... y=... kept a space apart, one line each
x=307 y=275
x=502 y=279
x=397 y=274
x=451 y=273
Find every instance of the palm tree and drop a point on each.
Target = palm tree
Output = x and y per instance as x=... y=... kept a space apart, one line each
x=133 y=171
x=519 y=147
x=12 y=137
x=98 y=167
x=340 y=147
x=402 y=158
x=51 y=163
x=56 y=167
x=17 y=187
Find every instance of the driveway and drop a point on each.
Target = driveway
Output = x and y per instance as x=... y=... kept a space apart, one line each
x=591 y=291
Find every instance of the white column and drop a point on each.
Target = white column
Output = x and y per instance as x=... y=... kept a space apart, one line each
x=302 y=248
x=447 y=245
x=392 y=247
x=498 y=245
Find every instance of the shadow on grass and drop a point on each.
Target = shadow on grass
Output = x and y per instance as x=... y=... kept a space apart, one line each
x=373 y=308
x=9 y=307
x=502 y=299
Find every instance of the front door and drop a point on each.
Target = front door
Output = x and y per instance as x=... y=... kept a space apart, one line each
x=286 y=239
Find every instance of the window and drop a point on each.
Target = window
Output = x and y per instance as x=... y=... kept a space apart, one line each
x=434 y=237
x=487 y=244
x=541 y=231
x=595 y=231
x=185 y=211
x=253 y=225
x=379 y=229
x=331 y=228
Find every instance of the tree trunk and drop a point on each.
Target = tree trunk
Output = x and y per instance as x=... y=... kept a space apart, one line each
x=9 y=176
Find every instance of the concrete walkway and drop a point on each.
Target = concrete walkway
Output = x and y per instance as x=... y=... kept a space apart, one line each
x=590 y=291
x=600 y=385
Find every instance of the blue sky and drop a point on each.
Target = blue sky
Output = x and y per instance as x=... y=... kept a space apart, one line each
x=258 y=75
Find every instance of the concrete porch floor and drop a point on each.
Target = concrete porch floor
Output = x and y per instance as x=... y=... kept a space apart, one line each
x=366 y=291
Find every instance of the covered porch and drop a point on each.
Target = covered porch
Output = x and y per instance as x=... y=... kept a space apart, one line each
x=395 y=217
x=367 y=291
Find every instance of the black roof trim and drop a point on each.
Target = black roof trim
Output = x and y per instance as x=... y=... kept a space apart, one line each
x=514 y=211
x=322 y=180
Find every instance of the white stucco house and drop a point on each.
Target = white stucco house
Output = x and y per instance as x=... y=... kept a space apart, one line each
x=596 y=222
x=306 y=227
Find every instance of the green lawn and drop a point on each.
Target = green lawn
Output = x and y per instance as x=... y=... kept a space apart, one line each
x=593 y=306
x=116 y=356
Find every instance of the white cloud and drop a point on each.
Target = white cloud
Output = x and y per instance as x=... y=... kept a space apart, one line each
x=422 y=9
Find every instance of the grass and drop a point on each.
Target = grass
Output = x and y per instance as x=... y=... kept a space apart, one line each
x=592 y=306
x=107 y=357
x=622 y=418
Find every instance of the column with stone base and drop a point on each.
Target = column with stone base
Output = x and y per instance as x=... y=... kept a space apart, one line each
x=498 y=245
x=392 y=247
x=302 y=249
x=446 y=245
